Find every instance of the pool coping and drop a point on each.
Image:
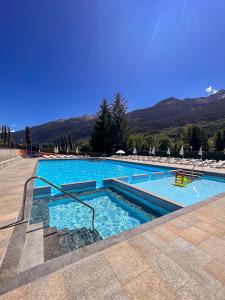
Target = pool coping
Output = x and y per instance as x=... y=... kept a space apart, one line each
x=57 y=263
x=179 y=205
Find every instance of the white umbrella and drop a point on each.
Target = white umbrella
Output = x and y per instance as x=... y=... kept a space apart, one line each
x=77 y=150
x=168 y=151
x=182 y=151
x=135 y=151
x=153 y=151
x=200 y=152
x=150 y=151
x=120 y=152
x=57 y=150
x=67 y=150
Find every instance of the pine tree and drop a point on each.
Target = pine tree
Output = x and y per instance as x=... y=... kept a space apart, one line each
x=8 y=137
x=218 y=141
x=101 y=137
x=223 y=138
x=70 y=142
x=28 y=138
x=119 y=123
x=65 y=142
x=194 y=137
x=4 y=135
x=62 y=143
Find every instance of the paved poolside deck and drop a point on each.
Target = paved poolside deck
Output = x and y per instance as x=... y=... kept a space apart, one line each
x=182 y=257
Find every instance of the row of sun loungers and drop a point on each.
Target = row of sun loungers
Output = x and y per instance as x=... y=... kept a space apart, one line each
x=179 y=161
x=63 y=156
x=170 y=160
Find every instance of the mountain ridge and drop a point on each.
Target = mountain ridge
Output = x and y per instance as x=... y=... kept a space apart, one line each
x=169 y=112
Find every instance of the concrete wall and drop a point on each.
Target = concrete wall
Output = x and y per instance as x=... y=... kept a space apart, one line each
x=6 y=154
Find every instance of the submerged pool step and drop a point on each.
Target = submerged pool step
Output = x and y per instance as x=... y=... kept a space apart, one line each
x=70 y=240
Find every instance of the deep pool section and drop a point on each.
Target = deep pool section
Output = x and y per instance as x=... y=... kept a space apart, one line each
x=69 y=171
x=112 y=214
x=194 y=192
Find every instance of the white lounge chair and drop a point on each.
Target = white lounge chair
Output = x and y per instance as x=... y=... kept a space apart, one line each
x=219 y=164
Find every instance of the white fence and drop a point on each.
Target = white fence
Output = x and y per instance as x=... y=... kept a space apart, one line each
x=6 y=154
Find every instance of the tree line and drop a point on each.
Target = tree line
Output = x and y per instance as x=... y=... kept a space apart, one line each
x=6 y=137
x=111 y=133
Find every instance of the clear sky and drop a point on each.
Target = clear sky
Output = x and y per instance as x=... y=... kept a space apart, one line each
x=59 y=58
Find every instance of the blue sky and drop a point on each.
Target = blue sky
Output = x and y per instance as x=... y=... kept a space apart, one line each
x=59 y=58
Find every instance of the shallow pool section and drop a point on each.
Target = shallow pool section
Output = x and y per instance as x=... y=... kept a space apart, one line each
x=194 y=192
x=113 y=213
x=70 y=171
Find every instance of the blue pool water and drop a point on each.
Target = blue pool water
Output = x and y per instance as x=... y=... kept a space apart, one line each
x=112 y=213
x=194 y=192
x=69 y=171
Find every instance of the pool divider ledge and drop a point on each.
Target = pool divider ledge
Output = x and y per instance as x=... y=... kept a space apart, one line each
x=45 y=191
x=147 y=196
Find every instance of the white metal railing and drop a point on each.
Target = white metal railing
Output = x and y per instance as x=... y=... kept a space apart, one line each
x=6 y=154
x=21 y=219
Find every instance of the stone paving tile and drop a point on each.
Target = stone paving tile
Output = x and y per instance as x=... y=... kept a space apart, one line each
x=189 y=219
x=158 y=242
x=204 y=279
x=213 y=246
x=180 y=223
x=162 y=264
x=194 y=235
x=50 y=287
x=11 y=187
x=202 y=217
x=17 y=294
x=189 y=258
x=148 y=285
x=164 y=233
x=143 y=246
x=193 y=291
x=125 y=261
x=183 y=258
x=169 y=271
x=5 y=233
x=217 y=269
x=221 y=294
x=4 y=243
x=218 y=229
x=92 y=278
x=2 y=253
x=182 y=251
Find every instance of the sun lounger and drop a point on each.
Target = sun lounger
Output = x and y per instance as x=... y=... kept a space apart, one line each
x=220 y=164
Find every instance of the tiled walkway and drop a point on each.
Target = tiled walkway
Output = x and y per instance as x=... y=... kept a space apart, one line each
x=184 y=258
x=12 y=179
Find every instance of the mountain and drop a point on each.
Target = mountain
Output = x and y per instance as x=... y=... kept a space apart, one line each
x=171 y=112
x=79 y=127
x=175 y=112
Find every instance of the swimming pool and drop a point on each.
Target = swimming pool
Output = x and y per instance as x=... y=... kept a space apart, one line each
x=70 y=171
x=194 y=192
x=115 y=212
